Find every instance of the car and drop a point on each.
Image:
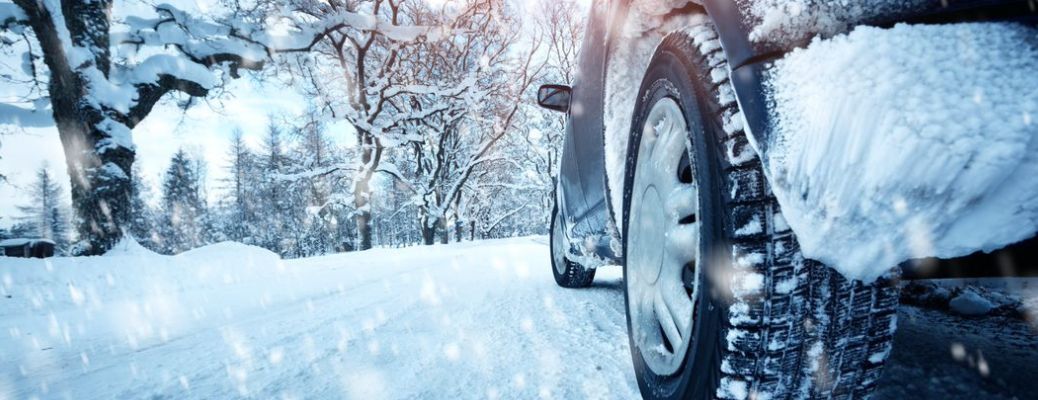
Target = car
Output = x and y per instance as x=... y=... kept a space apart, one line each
x=661 y=173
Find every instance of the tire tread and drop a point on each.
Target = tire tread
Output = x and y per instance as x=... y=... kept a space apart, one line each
x=847 y=322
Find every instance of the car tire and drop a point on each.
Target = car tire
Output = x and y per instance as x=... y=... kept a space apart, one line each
x=765 y=322
x=568 y=274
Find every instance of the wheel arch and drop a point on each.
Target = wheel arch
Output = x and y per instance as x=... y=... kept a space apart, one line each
x=746 y=70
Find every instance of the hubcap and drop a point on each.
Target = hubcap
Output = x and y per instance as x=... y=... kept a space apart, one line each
x=663 y=239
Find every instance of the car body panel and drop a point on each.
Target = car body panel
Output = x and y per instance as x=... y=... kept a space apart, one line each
x=583 y=204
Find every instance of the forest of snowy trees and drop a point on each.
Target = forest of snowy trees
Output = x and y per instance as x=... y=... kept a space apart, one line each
x=420 y=126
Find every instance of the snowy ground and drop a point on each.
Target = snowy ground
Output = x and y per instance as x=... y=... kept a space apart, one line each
x=462 y=321
x=474 y=320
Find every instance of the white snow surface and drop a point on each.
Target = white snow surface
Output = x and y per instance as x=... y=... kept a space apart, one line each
x=914 y=141
x=471 y=320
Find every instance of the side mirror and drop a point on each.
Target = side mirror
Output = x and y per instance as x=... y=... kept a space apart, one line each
x=554 y=97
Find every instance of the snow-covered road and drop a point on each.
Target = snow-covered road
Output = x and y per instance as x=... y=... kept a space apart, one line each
x=464 y=321
x=481 y=320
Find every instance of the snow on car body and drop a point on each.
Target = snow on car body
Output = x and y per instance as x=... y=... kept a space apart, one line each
x=799 y=119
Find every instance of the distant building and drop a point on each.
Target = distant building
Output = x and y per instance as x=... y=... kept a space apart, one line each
x=26 y=248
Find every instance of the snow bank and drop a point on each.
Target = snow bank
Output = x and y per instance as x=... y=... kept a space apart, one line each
x=137 y=294
x=129 y=247
x=34 y=281
x=908 y=142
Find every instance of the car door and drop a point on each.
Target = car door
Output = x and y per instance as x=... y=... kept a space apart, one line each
x=582 y=170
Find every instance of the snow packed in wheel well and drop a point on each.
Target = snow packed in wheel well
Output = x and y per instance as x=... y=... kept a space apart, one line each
x=909 y=142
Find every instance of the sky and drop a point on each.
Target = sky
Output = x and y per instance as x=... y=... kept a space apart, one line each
x=204 y=130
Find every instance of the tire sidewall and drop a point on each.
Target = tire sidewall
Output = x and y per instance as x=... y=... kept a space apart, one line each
x=671 y=75
x=574 y=275
x=559 y=279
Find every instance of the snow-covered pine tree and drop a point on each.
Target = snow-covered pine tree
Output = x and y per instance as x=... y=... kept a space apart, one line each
x=315 y=151
x=21 y=230
x=143 y=217
x=273 y=199
x=46 y=215
x=184 y=224
x=240 y=208
x=273 y=234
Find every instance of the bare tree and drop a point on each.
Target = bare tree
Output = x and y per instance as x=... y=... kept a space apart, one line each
x=352 y=70
x=561 y=22
x=485 y=72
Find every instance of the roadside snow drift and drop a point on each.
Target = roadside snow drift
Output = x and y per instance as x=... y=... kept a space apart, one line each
x=133 y=293
x=914 y=141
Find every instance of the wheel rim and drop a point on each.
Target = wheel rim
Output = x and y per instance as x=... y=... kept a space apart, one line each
x=558 y=249
x=663 y=242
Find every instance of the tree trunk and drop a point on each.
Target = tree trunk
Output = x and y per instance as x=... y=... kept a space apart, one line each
x=363 y=214
x=101 y=185
x=95 y=135
x=428 y=233
x=370 y=157
x=100 y=167
x=441 y=224
x=363 y=225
